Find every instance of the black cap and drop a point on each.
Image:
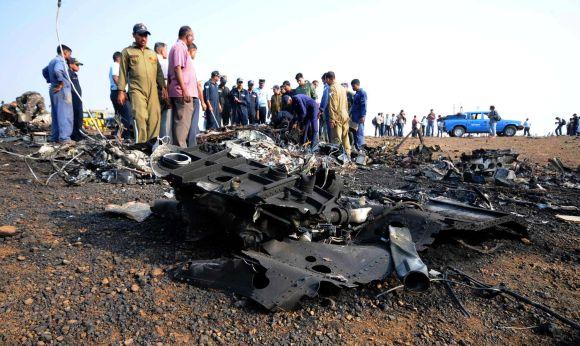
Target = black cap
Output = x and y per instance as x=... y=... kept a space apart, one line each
x=140 y=29
x=215 y=73
x=250 y=82
x=74 y=61
x=240 y=80
x=261 y=80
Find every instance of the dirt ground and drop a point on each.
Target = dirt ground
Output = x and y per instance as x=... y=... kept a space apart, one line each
x=536 y=149
x=74 y=274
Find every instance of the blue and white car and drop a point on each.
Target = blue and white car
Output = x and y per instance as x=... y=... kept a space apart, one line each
x=477 y=122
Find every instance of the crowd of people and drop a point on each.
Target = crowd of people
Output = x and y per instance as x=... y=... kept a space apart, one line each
x=387 y=126
x=572 y=126
x=157 y=93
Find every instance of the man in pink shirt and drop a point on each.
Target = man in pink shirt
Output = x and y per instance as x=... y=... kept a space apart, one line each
x=182 y=88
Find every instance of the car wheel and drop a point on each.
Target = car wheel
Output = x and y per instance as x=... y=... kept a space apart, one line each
x=509 y=131
x=458 y=131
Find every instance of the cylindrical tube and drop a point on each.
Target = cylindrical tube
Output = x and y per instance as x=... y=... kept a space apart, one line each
x=409 y=267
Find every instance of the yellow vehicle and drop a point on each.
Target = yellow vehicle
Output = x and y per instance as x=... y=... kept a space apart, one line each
x=98 y=120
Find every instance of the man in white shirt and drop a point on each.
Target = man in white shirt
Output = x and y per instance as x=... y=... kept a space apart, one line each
x=122 y=110
x=166 y=119
x=264 y=101
x=527 y=125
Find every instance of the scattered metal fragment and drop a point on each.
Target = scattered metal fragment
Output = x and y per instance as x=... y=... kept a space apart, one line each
x=137 y=211
x=502 y=289
x=571 y=218
x=410 y=269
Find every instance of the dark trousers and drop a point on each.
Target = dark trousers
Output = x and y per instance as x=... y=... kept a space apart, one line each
x=262 y=113
x=559 y=130
x=526 y=131
x=124 y=112
x=77 y=118
x=239 y=116
x=226 y=115
x=399 y=130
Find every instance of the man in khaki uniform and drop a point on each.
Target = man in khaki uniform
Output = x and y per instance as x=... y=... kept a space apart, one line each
x=140 y=68
x=338 y=112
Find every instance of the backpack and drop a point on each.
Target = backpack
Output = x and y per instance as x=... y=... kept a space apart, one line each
x=563 y=122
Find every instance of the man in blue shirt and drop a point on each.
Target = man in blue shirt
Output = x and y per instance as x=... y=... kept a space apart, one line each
x=358 y=112
x=324 y=123
x=253 y=103
x=305 y=110
x=60 y=92
x=240 y=100
x=211 y=98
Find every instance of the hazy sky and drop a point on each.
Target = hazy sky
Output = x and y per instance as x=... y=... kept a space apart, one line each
x=522 y=56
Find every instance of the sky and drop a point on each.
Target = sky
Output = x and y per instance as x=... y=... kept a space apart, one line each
x=521 y=56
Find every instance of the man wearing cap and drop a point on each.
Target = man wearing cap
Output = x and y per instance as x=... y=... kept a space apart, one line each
x=211 y=98
x=124 y=111
x=306 y=111
x=338 y=112
x=73 y=68
x=359 y=112
x=304 y=87
x=224 y=100
x=240 y=100
x=253 y=105
x=60 y=92
x=182 y=86
x=263 y=101
x=140 y=68
x=275 y=103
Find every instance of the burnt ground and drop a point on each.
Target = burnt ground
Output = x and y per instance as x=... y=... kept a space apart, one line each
x=74 y=274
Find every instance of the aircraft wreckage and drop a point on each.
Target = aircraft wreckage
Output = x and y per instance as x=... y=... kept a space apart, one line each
x=297 y=235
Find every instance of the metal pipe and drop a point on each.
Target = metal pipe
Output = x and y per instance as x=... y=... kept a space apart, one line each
x=409 y=267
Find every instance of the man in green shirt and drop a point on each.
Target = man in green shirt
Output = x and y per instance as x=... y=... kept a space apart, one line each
x=304 y=87
x=139 y=67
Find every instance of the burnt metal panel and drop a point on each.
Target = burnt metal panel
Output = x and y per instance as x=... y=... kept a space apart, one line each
x=351 y=264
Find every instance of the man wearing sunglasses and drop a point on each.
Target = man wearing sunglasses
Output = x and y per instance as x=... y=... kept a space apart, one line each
x=139 y=67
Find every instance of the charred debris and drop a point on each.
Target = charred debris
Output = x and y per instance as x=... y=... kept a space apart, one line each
x=298 y=232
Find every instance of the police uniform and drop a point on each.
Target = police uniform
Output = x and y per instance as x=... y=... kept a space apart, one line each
x=224 y=101
x=252 y=106
x=240 y=109
x=306 y=111
x=142 y=71
x=77 y=107
x=211 y=95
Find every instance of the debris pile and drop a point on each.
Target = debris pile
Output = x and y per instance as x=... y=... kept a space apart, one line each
x=26 y=115
x=101 y=160
x=298 y=234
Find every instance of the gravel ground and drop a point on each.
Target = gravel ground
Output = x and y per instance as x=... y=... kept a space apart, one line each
x=74 y=274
